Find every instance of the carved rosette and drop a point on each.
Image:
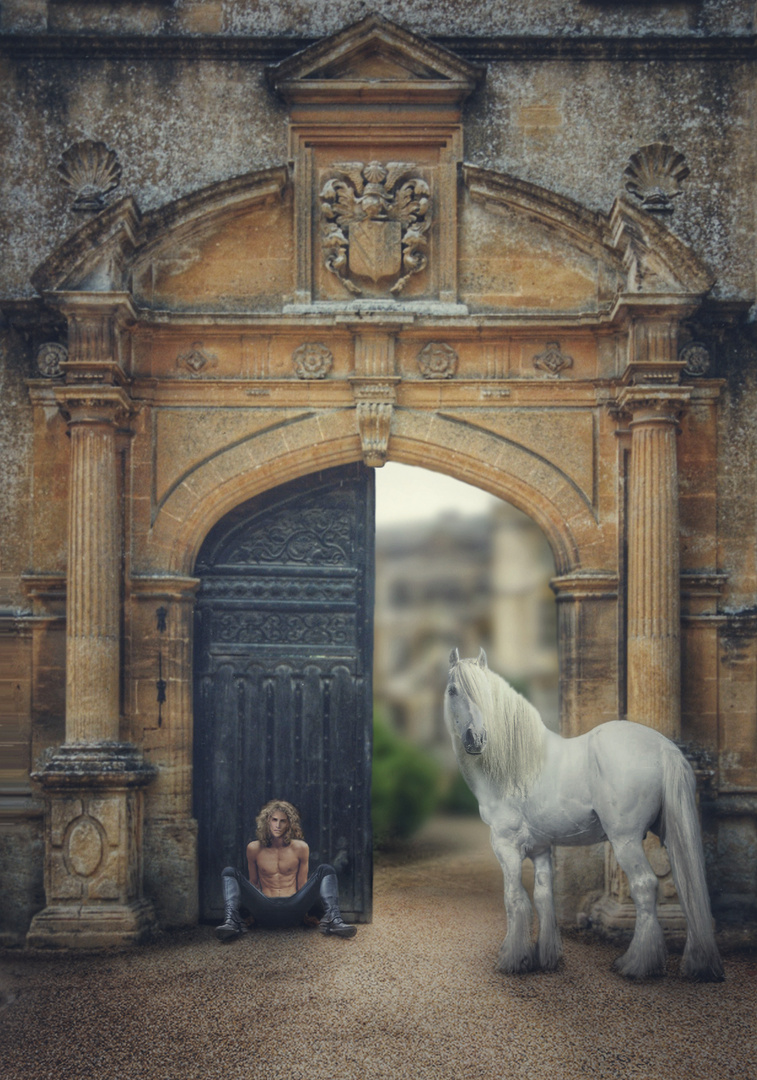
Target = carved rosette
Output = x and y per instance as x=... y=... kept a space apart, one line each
x=696 y=358
x=312 y=361
x=437 y=361
x=90 y=170
x=375 y=218
x=654 y=175
x=50 y=356
x=553 y=360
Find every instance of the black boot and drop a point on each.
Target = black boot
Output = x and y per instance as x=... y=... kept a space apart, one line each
x=232 y=925
x=332 y=922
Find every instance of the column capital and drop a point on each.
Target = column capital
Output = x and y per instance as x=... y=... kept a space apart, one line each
x=653 y=404
x=96 y=323
x=94 y=403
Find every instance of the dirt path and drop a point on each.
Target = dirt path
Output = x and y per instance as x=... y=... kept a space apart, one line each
x=413 y=996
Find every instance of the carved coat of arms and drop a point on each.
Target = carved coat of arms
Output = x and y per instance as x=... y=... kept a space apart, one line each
x=375 y=222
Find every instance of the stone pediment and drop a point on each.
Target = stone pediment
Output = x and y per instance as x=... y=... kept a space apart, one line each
x=397 y=65
x=231 y=247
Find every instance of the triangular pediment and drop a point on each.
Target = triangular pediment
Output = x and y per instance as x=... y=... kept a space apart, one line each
x=377 y=53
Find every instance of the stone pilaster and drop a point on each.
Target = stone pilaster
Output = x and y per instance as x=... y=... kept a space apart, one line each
x=159 y=622
x=587 y=617
x=93 y=785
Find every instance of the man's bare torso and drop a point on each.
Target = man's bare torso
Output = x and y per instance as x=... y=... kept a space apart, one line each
x=279 y=870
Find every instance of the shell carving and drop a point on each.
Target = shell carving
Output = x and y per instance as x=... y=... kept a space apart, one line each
x=654 y=175
x=90 y=170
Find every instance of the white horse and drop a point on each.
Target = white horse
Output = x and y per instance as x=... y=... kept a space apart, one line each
x=536 y=789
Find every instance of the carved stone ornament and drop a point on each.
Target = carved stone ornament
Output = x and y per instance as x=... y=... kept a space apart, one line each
x=696 y=357
x=90 y=170
x=553 y=360
x=375 y=220
x=654 y=174
x=195 y=359
x=312 y=361
x=374 y=421
x=50 y=356
x=83 y=846
x=437 y=361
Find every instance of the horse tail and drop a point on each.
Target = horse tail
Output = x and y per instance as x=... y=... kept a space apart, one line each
x=681 y=836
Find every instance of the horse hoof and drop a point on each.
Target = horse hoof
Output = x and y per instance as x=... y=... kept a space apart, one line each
x=515 y=965
x=630 y=970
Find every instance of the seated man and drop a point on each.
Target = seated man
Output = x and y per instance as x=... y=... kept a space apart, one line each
x=279 y=892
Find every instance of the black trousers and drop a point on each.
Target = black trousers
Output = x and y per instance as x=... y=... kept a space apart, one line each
x=275 y=911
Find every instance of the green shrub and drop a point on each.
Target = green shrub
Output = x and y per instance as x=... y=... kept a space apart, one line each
x=458 y=797
x=406 y=785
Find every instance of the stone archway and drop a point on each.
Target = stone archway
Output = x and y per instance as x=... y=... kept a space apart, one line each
x=237 y=340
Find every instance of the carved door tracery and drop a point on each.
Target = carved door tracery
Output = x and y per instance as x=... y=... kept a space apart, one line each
x=283 y=696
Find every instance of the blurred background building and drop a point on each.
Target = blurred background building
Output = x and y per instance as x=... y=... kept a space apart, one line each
x=459 y=579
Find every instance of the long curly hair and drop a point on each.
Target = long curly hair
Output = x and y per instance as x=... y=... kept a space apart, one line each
x=262 y=827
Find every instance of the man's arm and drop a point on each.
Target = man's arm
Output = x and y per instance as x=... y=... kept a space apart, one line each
x=252 y=863
x=303 y=852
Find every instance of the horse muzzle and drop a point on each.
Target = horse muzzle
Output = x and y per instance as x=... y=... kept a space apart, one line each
x=474 y=741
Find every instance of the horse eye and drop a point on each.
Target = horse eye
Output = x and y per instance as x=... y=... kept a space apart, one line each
x=451 y=690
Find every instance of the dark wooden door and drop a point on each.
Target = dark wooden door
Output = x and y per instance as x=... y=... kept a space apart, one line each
x=283 y=661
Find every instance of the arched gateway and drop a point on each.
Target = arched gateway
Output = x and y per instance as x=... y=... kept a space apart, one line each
x=376 y=300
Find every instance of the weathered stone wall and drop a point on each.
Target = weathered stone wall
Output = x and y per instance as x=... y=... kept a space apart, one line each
x=319 y=18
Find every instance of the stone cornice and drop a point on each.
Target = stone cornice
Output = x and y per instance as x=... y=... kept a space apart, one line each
x=496 y=48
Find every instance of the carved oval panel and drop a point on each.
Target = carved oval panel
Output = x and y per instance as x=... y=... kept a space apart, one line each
x=84 y=847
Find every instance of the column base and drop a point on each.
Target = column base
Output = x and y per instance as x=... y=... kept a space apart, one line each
x=616 y=919
x=92 y=926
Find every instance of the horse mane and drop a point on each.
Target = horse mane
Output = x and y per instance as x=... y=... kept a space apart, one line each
x=515 y=743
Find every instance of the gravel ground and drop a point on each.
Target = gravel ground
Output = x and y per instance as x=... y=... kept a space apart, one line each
x=413 y=996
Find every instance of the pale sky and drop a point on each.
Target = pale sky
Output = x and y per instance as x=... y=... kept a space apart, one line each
x=406 y=493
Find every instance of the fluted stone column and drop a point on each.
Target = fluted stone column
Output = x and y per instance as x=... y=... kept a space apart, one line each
x=93 y=784
x=654 y=620
x=93 y=623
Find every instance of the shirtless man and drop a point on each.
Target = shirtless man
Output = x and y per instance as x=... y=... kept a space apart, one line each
x=279 y=892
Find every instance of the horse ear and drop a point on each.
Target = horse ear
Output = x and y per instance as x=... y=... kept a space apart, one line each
x=481 y=658
x=454 y=657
